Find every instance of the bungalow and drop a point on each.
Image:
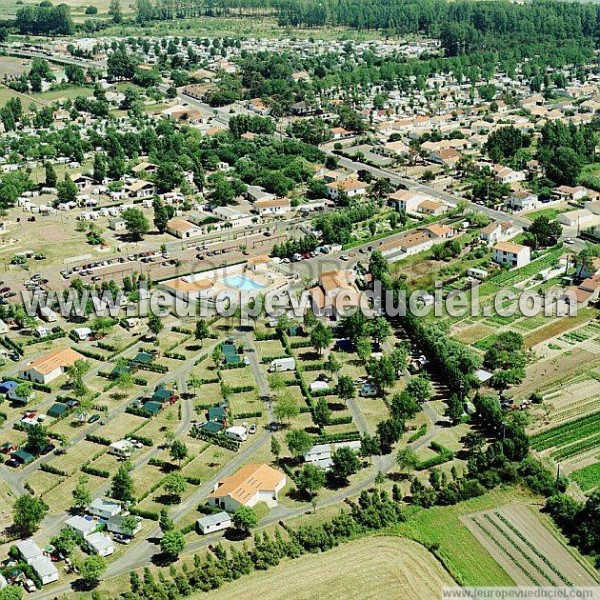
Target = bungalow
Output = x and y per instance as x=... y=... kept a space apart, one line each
x=336 y=292
x=82 y=333
x=566 y=192
x=448 y=157
x=350 y=187
x=212 y=523
x=147 y=168
x=253 y=483
x=23 y=457
x=277 y=206
x=576 y=218
x=141 y=189
x=255 y=192
x=507 y=175
x=432 y=208
x=98 y=543
x=321 y=454
x=104 y=508
x=28 y=550
x=407 y=200
x=494 y=232
x=513 y=255
x=81 y=526
x=338 y=133
x=48 y=367
x=116 y=224
x=183 y=229
x=257 y=106
x=524 y=201
x=81 y=181
x=44 y=568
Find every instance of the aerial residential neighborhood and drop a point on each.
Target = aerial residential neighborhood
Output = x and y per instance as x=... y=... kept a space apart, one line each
x=299 y=299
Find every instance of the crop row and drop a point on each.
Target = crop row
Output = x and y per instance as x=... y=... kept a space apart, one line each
x=511 y=541
x=564 y=432
x=504 y=549
x=504 y=520
x=577 y=447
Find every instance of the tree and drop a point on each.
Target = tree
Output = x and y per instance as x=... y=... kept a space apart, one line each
x=298 y=442
x=66 y=541
x=175 y=484
x=67 y=190
x=129 y=525
x=286 y=408
x=363 y=348
x=379 y=329
x=114 y=10
x=404 y=406
x=407 y=459
x=202 y=331
x=121 y=64
x=419 y=388
x=275 y=448
x=277 y=383
x=345 y=387
x=136 y=223
x=155 y=324
x=345 y=462
x=178 y=451
x=310 y=479
x=122 y=484
x=382 y=373
x=321 y=412
x=164 y=521
x=91 y=570
x=172 y=544
x=244 y=519
x=37 y=439
x=544 y=232
x=321 y=337
x=51 y=179
x=332 y=365
x=378 y=266
x=28 y=513
x=454 y=411
x=161 y=215
x=11 y=592
x=389 y=432
x=81 y=494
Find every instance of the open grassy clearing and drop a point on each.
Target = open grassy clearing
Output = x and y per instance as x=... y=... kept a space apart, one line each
x=526 y=549
x=389 y=568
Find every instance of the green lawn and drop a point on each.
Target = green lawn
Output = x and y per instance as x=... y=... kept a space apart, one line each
x=440 y=528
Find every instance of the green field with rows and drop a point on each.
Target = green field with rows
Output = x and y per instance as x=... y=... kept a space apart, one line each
x=588 y=478
x=567 y=433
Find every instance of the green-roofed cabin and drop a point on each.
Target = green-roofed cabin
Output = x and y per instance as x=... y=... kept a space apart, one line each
x=143 y=357
x=23 y=457
x=119 y=370
x=217 y=413
x=162 y=395
x=58 y=410
x=232 y=359
x=153 y=407
x=212 y=427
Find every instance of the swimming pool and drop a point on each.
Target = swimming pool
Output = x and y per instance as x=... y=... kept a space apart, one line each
x=240 y=282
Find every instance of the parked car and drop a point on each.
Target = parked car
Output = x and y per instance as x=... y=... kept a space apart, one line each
x=94 y=418
x=12 y=463
x=252 y=428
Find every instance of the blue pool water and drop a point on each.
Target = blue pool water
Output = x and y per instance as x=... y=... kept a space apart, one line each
x=240 y=282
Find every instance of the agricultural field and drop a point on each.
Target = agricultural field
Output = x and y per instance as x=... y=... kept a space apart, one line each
x=518 y=540
x=571 y=441
x=588 y=478
x=389 y=568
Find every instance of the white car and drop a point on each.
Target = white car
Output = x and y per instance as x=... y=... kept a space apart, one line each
x=569 y=241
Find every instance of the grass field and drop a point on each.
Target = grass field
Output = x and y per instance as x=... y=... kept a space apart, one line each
x=389 y=568
x=463 y=556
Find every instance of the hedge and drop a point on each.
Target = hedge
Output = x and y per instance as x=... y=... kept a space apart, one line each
x=145 y=514
x=140 y=438
x=248 y=415
x=329 y=438
x=90 y=354
x=47 y=338
x=175 y=355
x=243 y=388
x=10 y=345
x=53 y=470
x=217 y=439
x=98 y=439
x=94 y=471
x=138 y=412
x=340 y=420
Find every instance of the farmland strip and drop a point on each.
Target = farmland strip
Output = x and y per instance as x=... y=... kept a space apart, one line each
x=521 y=551
x=577 y=447
x=561 y=433
x=515 y=562
x=502 y=518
